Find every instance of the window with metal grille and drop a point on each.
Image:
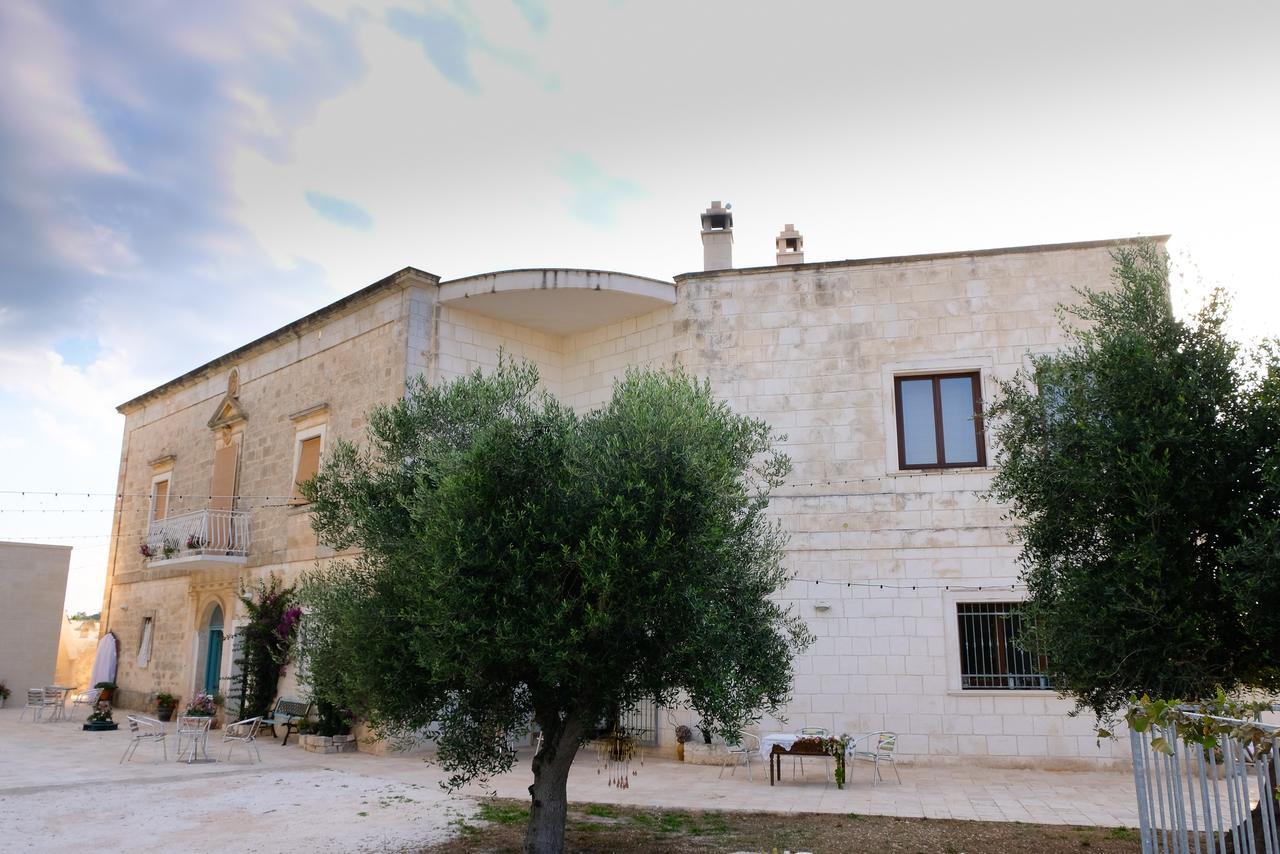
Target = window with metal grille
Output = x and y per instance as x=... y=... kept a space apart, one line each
x=990 y=655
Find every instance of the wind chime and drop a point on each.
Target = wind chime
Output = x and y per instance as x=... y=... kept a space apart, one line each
x=614 y=751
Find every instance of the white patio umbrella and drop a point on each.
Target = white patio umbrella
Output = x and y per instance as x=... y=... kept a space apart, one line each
x=104 y=662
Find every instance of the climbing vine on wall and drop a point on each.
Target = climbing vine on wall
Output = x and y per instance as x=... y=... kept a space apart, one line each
x=265 y=643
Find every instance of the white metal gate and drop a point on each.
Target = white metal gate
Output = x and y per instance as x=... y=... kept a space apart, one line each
x=1198 y=800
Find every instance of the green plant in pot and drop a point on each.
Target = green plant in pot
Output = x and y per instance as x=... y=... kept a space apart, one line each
x=165 y=705
x=100 y=720
x=106 y=691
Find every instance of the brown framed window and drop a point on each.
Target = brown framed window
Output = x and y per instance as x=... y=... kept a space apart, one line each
x=991 y=653
x=159 y=499
x=308 y=465
x=939 y=420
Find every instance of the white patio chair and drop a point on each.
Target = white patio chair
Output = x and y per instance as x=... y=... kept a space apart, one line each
x=876 y=748
x=743 y=749
x=144 y=729
x=242 y=732
x=35 y=702
x=88 y=699
x=193 y=735
x=810 y=732
x=55 y=700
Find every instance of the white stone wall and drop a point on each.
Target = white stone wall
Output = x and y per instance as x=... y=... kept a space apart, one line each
x=33 y=585
x=812 y=350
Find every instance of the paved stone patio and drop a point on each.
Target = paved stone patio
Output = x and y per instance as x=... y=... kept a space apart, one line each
x=58 y=783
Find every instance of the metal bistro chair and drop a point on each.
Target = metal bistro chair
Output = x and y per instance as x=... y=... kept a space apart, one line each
x=144 y=729
x=88 y=699
x=810 y=732
x=743 y=749
x=36 y=703
x=55 y=700
x=242 y=732
x=878 y=747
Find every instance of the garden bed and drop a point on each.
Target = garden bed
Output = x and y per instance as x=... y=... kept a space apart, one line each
x=499 y=826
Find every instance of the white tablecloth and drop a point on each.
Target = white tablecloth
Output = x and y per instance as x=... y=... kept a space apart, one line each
x=786 y=739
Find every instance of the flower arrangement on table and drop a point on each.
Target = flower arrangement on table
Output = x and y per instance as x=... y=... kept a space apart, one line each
x=838 y=747
x=202 y=706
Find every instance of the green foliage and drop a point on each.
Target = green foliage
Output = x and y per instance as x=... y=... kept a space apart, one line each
x=1141 y=463
x=266 y=641
x=518 y=560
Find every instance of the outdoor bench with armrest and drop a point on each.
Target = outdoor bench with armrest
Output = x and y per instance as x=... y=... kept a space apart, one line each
x=287 y=713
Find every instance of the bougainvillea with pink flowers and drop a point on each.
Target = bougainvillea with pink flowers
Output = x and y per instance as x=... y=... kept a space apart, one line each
x=265 y=643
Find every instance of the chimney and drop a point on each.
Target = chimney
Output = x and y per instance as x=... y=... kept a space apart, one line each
x=790 y=246
x=717 y=237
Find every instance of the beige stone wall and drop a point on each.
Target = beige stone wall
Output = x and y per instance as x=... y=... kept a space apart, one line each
x=347 y=364
x=33 y=585
x=77 y=645
x=814 y=352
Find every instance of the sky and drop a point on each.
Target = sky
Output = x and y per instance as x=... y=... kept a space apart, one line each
x=177 y=179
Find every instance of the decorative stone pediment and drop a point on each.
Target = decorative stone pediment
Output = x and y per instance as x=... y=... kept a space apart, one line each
x=229 y=411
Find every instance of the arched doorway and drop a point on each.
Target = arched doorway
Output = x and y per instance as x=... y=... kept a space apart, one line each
x=212 y=653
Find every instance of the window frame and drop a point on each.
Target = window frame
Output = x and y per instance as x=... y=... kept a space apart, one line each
x=156 y=480
x=146 y=641
x=978 y=426
x=1009 y=606
x=300 y=436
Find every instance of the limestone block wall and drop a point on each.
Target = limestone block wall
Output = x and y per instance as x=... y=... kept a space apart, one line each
x=33 y=585
x=814 y=352
x=326 y=377
x=467 y=341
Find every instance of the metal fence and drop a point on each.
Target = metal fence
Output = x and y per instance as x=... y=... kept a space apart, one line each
x=221 y=532
x=1198 y=800
x=641 y=720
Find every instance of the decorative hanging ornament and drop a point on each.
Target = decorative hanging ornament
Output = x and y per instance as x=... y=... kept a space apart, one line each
x=614 y=752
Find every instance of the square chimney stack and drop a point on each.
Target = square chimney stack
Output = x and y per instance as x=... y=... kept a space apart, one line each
x=717 y=237
x=790 y=246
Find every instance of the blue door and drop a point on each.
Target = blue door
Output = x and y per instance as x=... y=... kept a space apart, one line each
x=213 y=653
x=213 y=662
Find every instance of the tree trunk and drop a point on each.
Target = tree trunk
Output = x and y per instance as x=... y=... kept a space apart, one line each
x=545 y=834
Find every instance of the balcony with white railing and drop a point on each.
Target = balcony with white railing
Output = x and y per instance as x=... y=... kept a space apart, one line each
x=204 y=539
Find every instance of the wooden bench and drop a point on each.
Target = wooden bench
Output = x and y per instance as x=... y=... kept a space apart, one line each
x=287 y=713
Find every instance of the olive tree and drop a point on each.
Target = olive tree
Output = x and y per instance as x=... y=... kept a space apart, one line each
x=1140 y=463
x=521 y=562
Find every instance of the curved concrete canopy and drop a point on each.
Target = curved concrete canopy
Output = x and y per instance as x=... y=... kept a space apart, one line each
x=560 y=302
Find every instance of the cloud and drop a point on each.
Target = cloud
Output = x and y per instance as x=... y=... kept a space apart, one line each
x=340 y=211
x=535 y=13
x=595 y=195
x=115 y=152
x=443 y=38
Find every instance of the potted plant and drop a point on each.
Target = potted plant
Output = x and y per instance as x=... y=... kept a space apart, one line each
x=147 y=550
x=106 y=690
x=100 y=720
x=165 y=705
x=195 y=542
x=170 y=547
x=4 y=694
x=683 y=735
x=202 y=706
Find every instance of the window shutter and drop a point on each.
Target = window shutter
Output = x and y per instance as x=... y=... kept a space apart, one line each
x=308 y=464
x=160 y=502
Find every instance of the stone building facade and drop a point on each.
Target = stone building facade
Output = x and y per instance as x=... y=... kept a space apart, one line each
x=873 y=368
